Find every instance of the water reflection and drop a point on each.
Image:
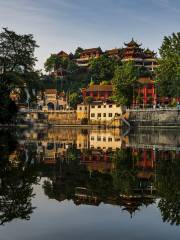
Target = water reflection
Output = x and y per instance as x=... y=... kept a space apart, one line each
x=16 y=179
x=91 y=167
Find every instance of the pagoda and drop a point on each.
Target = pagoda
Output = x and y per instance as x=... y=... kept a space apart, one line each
x=133 y=52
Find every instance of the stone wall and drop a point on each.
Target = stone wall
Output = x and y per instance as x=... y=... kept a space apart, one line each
x=154 y=117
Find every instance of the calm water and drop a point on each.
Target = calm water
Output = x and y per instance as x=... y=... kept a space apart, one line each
x=89 y=184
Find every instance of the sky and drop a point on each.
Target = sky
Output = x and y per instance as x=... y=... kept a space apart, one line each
x=66 y=24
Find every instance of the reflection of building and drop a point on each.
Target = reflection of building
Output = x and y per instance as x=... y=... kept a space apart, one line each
x=106 y=140
x=97 y=92
x=87 y=55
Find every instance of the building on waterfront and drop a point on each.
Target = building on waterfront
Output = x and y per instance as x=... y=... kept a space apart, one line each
x=100 y=112
x=87 y=55
x=98 y=92
x=83 y=111
x=145 y=93
x=52 y=100
x=104 y=112
x=142 y=58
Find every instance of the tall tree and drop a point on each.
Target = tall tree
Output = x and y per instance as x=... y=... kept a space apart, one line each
x=124 y=82
x=17 y=61
x=168 y=71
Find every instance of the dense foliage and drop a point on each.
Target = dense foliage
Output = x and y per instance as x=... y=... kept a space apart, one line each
x=16 y=70
x=124 y=82
x=168 y=71
x=102 y=68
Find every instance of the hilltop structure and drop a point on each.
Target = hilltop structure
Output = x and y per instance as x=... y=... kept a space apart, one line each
x=141 y=58
x=87 y=55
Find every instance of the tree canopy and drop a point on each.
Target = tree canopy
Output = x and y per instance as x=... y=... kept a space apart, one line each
x=102 y=68
x=55 y=63
x=17 y=62
x=168 y=71
x=124 y=82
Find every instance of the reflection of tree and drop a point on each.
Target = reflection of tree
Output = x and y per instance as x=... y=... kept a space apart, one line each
x=169 y=189
x=125 y=175
x=16 y=178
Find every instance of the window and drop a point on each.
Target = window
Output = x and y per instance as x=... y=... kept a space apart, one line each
x=110 y=106
x=109 y=139
x=98 y=138
x=92 y=106
x=85 y=108
x=99 y=106
x=92 y=138
x=104 y=114
x=92 y=115
x=104 y=106
x=80 y=108
x=104 y=139
x=99 y=115
x=110 y=114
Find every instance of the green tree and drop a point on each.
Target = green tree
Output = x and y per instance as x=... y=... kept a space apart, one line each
x=168 y=71
x=102 y=68
x=55 y=63
x=74 y=99
x=124 y=82
x=17 y=62
x=78 y=51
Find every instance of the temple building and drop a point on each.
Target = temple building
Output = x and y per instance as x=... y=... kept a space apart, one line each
x=63 y=55
x=87 y=55
x=141 y=58
x=115 y=53
x=98 y=92
x=145 y=94
x=53 y=100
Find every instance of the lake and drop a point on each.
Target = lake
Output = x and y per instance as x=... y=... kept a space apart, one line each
x=78 y=183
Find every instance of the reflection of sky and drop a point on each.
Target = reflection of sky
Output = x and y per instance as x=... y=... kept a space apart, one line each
x=55 y=220
x=66 y=24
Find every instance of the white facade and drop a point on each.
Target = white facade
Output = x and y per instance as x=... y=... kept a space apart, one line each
x=104 y=112
x=105 y=140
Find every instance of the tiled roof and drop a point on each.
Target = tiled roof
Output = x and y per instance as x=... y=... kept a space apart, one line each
x=62 y=53
x=51 y=91
x=100 y=88
x=91 y=50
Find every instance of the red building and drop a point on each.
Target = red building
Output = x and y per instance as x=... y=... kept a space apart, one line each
x=98 y=92
x=145 y=94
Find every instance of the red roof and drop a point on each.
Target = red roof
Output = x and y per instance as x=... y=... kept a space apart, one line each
x=100 y=88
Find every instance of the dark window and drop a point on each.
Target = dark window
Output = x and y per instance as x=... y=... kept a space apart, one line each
x=92 y=114
x=99 y=115
x=110 y=106
x=99 y=106
x=104 y=114
x=110 y=114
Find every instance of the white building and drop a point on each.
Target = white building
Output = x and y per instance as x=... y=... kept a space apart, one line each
x=104 y=112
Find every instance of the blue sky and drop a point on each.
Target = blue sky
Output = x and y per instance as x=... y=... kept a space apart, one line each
x=65 y=24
